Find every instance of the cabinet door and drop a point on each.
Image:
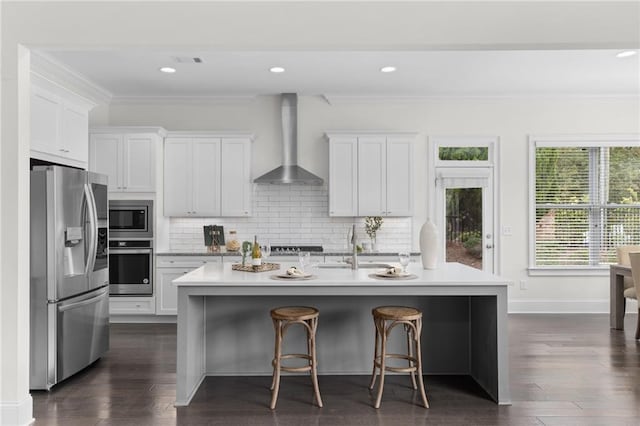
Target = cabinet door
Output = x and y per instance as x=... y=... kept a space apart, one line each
x=75 y=133
x=399 y=176
x=206 y=177
x=139 y=163
x=167 y=293
x=45 y=110
x=177 y=177
x=372 y=179
x=105 y=157
x=343 y=177
x=235 y=177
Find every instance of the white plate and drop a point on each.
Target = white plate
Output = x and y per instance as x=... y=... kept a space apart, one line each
x=385 y=274
x=293 y=277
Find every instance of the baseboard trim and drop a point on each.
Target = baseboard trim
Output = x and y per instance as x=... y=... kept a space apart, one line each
x=564 y=306
x=17 y=413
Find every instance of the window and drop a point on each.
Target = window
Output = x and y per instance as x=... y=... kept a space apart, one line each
x=586 y=200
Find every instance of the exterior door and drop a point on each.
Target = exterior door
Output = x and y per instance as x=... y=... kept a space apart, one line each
x=464 y=215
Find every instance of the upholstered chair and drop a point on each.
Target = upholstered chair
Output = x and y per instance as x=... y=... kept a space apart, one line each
x=622 y=253
x=634 y=258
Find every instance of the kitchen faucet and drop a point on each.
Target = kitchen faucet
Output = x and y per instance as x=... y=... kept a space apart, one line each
x=354 y=242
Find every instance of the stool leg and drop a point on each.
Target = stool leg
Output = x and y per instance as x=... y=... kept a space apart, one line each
x=419 y=360
x=314 y=364
x=383 y=355
x=275 y=355
x=409 y=331
x=375 y=357
x=276 y=367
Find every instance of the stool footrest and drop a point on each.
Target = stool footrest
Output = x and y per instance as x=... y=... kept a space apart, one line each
x=294 y=369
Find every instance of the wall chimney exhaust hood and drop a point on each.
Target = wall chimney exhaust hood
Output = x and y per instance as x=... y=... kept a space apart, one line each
x=289 y=172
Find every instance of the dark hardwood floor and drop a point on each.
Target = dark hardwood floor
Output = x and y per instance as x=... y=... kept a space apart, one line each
x=564 y=370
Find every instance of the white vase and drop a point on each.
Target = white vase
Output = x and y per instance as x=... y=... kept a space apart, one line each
x=429 y=245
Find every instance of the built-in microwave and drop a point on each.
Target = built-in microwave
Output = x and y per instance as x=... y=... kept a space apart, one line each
x=130 y=219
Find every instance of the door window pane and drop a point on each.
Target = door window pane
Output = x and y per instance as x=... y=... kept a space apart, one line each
x=464 y=153
x=464 y=226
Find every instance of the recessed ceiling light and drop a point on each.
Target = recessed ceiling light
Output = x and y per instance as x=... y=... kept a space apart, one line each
x=626 y=53
x=168 y=70
x=276 y=69
x=387 y=69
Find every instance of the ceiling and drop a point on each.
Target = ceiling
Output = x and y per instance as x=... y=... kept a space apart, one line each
x=134 y=72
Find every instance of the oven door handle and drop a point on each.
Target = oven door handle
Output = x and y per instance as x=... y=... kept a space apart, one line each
x=129 y=251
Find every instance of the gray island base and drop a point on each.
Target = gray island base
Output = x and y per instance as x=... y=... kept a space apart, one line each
x=224 y=326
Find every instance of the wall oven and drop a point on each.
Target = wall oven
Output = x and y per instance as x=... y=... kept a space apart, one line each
x=131 y=267
x=131 y=247
x=130 y=219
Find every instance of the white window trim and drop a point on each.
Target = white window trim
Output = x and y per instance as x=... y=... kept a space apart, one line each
x=434 y=162
x=558 y=141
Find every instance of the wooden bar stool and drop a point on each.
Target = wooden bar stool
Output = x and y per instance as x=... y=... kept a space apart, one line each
x=385 y=319
x=283 y=318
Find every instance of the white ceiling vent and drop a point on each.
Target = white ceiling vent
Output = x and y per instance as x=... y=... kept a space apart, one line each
x=187 y=60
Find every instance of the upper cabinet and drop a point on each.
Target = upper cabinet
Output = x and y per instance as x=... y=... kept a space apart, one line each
x=207 y=175
x=127 y=156
x=371 y=174
x=59 y=125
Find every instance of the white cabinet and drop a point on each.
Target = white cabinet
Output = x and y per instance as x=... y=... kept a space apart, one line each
x=59 y=123
x=371 y=174
x=128 y=158
x=207 y=176
x=168 y=269
x=235 y=177
x=126 y=305
x=343 y=176
x=191 y=177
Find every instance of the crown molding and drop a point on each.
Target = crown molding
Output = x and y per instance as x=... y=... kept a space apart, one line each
x=377 y=99
x=183 y=100
x=47 y=68
x=129 y=129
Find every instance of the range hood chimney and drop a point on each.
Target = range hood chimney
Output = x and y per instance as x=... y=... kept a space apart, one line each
x=289 y=172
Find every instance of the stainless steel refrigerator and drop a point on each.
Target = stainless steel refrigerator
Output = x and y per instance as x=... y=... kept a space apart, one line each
x=69 y=272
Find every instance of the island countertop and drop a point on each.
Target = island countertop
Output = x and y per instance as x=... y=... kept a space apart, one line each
x=447 y=274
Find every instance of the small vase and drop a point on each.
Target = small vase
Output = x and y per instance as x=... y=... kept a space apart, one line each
x=374 y=246
x=429 y=245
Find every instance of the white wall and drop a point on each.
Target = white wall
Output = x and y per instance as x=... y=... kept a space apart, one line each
x=319 y=25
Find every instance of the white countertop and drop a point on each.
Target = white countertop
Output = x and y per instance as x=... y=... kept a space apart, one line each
x=448 y=274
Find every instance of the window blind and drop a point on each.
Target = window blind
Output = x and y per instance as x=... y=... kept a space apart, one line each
x=586 y=204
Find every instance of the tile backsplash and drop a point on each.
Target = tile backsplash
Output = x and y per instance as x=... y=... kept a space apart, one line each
x=291 y=215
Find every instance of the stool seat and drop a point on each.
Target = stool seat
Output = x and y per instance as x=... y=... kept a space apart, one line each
x=284 y=317
x=396 y=313
x=294 y=313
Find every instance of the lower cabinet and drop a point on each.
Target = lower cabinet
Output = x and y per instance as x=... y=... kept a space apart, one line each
x=168 y=268
x=167 y=300
x=131 y=305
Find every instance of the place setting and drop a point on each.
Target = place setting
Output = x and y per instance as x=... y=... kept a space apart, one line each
x=297 y=274
x=395 y=272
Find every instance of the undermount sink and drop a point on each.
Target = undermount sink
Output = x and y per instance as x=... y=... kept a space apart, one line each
x=362 y=265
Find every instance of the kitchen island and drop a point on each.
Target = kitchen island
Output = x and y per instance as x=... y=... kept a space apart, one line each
x=224 y=326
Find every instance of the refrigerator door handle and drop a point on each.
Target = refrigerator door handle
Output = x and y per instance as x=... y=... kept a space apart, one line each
x=89 y=301
x=93 y=222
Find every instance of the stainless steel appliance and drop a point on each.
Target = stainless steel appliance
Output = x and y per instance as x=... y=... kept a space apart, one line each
x=131 y=219
x=131 y=267
x=69 y=272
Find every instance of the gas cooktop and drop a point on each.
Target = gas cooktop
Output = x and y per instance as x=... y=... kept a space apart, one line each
x=295 y=249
